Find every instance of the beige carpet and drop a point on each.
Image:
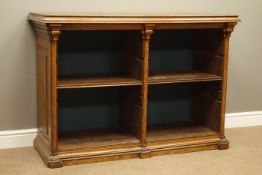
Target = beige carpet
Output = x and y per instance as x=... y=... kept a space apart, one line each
x=243 y=158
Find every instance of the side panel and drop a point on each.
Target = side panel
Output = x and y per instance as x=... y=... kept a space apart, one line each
x=43 y=85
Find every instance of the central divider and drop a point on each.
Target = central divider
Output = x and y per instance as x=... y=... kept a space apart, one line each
x=146 y=35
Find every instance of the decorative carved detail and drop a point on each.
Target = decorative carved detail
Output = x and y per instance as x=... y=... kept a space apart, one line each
x=54 y=31
x=54 y=26
x=227 y=32
x=54 y=35
x=54 y=162
x=229 y=29
x=145 y=153
x=147 y=32
x=224 y=143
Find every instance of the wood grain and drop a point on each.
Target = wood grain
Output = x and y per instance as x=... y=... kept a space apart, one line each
x=177 y=131
x=166 y=78
x=86 y=82
x=95 y=138
x=146 y=35
x=61 y=18
x=227 y=33
x=208 y=48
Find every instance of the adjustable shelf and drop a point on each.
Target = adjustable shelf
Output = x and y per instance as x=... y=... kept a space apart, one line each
x=166 y=78
x=119 y=87
x=83 y=82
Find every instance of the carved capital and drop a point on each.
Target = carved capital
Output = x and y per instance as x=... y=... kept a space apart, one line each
x=54 y=31
x=54 y=35
x=228 y=30
x=147 y=32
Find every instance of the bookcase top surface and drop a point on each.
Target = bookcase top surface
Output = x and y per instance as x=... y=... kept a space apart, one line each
x=49 y=18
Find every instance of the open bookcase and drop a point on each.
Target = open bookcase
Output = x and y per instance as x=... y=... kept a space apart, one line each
x=119 y=87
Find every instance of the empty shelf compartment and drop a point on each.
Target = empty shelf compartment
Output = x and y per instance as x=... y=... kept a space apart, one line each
x=97 y=117
x=183 y=110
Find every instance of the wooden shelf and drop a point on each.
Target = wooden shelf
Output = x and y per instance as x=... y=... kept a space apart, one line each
x=177 y=131
x=86 y=82
x=95 y=138
x=182 y=77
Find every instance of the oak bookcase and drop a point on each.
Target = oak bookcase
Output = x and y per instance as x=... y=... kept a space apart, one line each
x=125 y=86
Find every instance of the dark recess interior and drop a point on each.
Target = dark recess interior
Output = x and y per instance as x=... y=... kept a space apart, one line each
x=116 y=54
x=97 y=53
x=192 y=103
x=175 y=51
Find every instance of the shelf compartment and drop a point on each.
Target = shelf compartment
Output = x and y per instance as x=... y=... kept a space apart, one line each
x=183 y=110
x=84 y=116
x=95 y=138
x=198 y=50
x=170 y=132
x=182 y=77
x=92 y=53
x=86 y=82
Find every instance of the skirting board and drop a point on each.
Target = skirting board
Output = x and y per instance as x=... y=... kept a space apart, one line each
x=25 y=137
x=243 y=119
x=17 y=138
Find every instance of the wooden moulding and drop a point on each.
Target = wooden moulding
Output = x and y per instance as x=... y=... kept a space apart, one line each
x=144 y=141
x=182 y=146
x=78 y=21
x=64 y=18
